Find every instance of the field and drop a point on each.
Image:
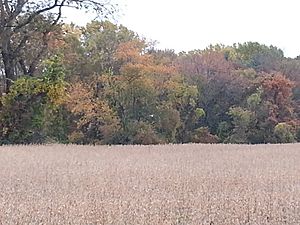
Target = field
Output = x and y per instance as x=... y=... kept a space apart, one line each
x=172 y=184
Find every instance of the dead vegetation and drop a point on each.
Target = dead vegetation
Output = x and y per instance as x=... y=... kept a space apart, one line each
x=172 y=184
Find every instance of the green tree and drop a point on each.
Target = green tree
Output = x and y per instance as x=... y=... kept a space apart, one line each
x=100 y=42
x=258 y=56
x=241 y=120
x=31 y=112
x=284 y=133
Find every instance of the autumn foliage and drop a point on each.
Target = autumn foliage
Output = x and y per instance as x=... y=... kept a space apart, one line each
x=103 y=84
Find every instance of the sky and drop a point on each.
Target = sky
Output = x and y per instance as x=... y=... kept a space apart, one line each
x=195 y=24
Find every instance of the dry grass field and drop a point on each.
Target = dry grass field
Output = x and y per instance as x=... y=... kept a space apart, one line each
x=179 y=184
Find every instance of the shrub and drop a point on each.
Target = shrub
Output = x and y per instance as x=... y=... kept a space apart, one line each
x=284 y=133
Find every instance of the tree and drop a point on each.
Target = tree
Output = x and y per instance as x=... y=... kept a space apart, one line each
x=21 y=20
x=68 y=44
x=201 y=65
x=258 y=56
x=31 y=111
x=101 y=40
x=95 y=121
x=241 y=120
x=269 y=105
x=291 y=69
x=202 y=135
x=103 y=84
x=277 y=92
x=284 y=133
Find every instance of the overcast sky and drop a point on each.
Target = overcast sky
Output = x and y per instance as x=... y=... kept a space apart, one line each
x=194 y=24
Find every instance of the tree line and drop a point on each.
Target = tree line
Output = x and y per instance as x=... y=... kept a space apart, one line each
x=104 y=84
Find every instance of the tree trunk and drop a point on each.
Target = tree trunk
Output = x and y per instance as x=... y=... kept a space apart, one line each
x=9 y=69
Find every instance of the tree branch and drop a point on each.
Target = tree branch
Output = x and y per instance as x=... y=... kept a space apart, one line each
x=59 y=13
x=38 y=12
x=35 y=61
x=21 y=44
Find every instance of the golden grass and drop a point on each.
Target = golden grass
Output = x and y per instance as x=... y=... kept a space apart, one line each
x=172 y=184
